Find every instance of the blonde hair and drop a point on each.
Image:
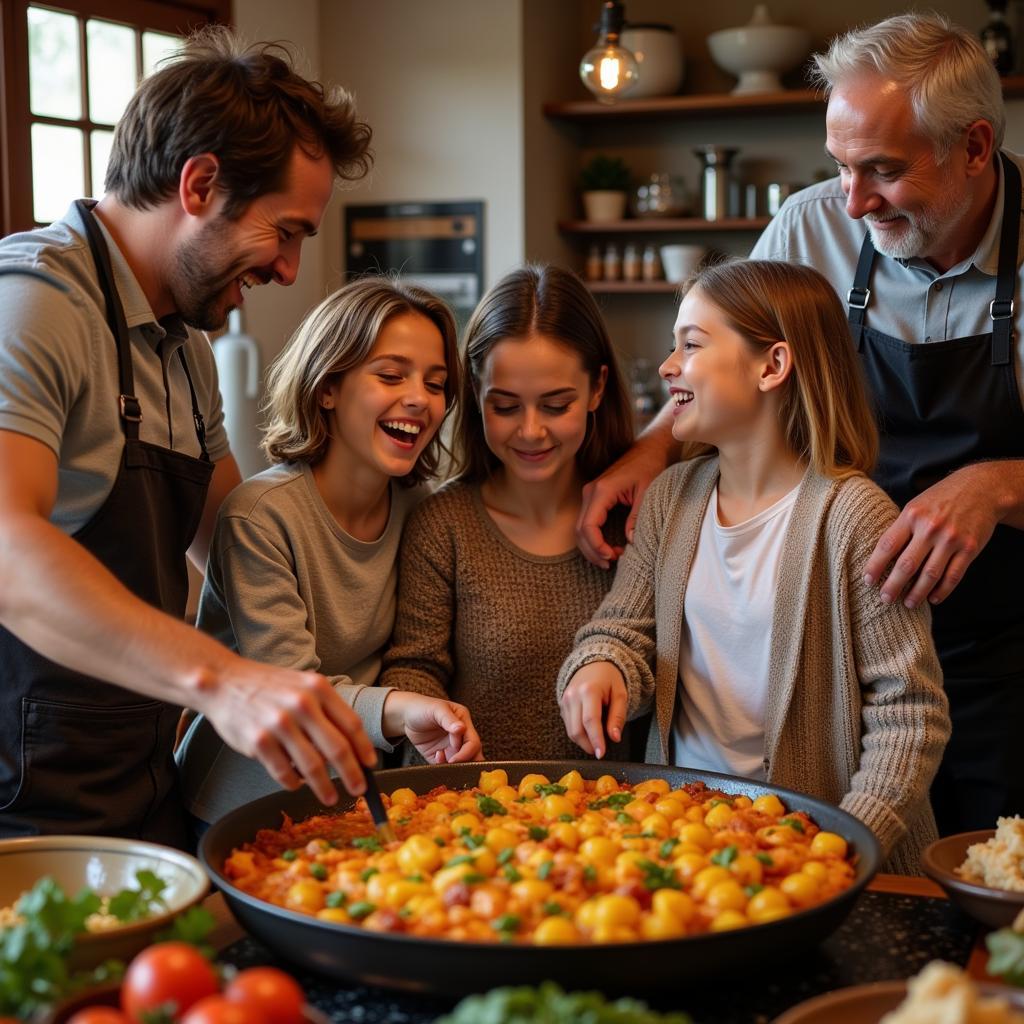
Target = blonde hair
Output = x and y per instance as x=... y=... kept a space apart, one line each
x=825 y=414
x=945 y=71
x=336 y=337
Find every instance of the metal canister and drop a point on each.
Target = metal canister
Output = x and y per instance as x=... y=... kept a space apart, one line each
x=714 y=180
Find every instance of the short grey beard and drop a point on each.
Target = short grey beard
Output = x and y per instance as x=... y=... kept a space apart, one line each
x=920 y=232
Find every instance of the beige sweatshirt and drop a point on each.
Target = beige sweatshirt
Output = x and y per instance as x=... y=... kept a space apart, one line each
x=856 y=714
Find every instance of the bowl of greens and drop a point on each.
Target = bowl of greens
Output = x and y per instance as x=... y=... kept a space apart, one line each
x=71 y=905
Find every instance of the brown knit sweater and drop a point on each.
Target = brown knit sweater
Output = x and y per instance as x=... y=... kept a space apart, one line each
x=856 y=713
x=487 y=624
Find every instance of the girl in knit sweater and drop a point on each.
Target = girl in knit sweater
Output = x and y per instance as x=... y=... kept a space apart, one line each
x=302 y=567
x=740 y=615
x=492 y=587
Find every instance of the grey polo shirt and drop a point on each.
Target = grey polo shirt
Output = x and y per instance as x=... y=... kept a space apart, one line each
x=58 y=366
x=909 y=298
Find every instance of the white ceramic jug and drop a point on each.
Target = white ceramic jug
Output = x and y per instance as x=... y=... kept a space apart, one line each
x=238 y=366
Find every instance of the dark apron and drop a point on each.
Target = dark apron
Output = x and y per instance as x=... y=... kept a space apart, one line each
x=943 y=405
x=77 y=754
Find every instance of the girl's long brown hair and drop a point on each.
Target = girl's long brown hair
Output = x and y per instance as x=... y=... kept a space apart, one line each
x=825 y=413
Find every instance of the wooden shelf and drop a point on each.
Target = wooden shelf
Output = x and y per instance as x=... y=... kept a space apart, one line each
x=711 y=105
x=645 y=225
x=634 y=287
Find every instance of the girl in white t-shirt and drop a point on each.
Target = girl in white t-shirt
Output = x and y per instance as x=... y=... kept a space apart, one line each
x=740 y=614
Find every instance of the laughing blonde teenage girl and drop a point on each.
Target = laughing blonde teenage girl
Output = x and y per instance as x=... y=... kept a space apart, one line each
x=740 y=614
x=302 y=567
x=492 y=586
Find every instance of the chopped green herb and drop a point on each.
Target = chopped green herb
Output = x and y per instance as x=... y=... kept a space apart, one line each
x=366 y=875
x=336 y=899
x=438 y=841
x=488 y=806
x=538 y=833
x=625 y=819
x=725 y=856
x=405 y=912
x=667 y=847
x=720 y=800
x=369 y=843
x=318 y=871
x=473 y=842
x=361 y=909
x=590 y=873
x=549 y=789
x=765 y=858
x=566 y=817
x=289 y=855
x=473 y=878
x=403 y=821
x=658 y=877
x=544 y=870
x=616 y=800
x=511 y=873
x=794 y=823
x=136 y=904
x=462 y=858
x=414 y=878
x=506 y=855
x=552 y=909
x=752 y=890
x=506 y=923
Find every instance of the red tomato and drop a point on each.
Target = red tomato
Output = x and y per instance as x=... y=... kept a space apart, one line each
x=99 y=1015
x=169 y=972
x=277 y=994
x=218 y=1010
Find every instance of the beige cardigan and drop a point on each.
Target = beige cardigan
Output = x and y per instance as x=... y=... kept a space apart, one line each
x=856 y=714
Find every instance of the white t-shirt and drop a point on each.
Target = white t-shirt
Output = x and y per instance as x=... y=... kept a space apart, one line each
x=726 y=638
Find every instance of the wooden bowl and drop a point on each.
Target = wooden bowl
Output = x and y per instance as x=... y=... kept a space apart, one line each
x=996 y=908
x=868 y=1004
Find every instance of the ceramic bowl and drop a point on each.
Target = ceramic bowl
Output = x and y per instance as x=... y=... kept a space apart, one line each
x=106 y=866
x=994 y=907
x=867 y=1004
x=680 y=261
x=758 y=54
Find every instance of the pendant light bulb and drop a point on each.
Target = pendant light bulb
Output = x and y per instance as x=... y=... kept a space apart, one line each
x=609 y=70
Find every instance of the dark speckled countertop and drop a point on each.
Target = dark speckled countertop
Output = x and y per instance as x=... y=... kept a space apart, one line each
x=887 y=935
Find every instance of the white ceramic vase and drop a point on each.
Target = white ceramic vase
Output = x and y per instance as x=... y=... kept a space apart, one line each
x=659 y=57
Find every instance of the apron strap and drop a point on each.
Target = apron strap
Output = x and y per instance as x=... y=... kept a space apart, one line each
x=858 y=297
x=197 y=416
x=1002 y=307
x=129 y=407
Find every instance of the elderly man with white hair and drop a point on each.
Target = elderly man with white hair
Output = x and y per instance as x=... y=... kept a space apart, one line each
x=920 y=236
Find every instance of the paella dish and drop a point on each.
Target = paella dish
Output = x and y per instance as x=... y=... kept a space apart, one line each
x=551 y=862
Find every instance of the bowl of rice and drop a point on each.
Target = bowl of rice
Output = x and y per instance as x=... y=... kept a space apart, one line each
x=106 y=866
x=982 y=872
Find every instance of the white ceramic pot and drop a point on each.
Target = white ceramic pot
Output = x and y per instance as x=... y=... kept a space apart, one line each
x=759 y=51
x=603 y=206
x=659 y=58
x=680 y=261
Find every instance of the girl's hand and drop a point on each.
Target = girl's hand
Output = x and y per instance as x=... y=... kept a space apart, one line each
x=441 y=730
x=593 y=688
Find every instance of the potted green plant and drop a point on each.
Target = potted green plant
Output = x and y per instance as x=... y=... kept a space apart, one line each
x=604 y=181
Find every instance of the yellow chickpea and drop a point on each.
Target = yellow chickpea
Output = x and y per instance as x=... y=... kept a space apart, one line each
x=490 y=781
x=417 y=854
x=654 y=927
x=377 y=885
x=695 y=813
x=586 y=914
x=555 y=805
x=659 y=786
x=816 y=869
x=656 y=824
x=767 y=901
x=605 y=934
x=616 y=910
x=697 y=833
x=727 y=895
x=704 y=881
x=566 y=834
x=590 y=823
x=599 y=850
x=669 y=808
x=627 y=865
x=499 y=838
x=532 y=890
x=637 y=809
x=506 y=794
x=556 y=931
x=529 y=782
x=727 y=920
x=403 y=797
x=802 y=889
x=398 y=893
x=689 y=865
x=465 y=820
x=828 y=844
x=747 y=869
x=449 y=876
x=336 y=915
x=606 y=784
x=488 y=900
x=671 y=903
x=742 y=803
x=435 y=809
x=719 y=816
x=466 y=802
x=572 y=781
x=681 y=796
x=769 y=804
x=306 y=895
